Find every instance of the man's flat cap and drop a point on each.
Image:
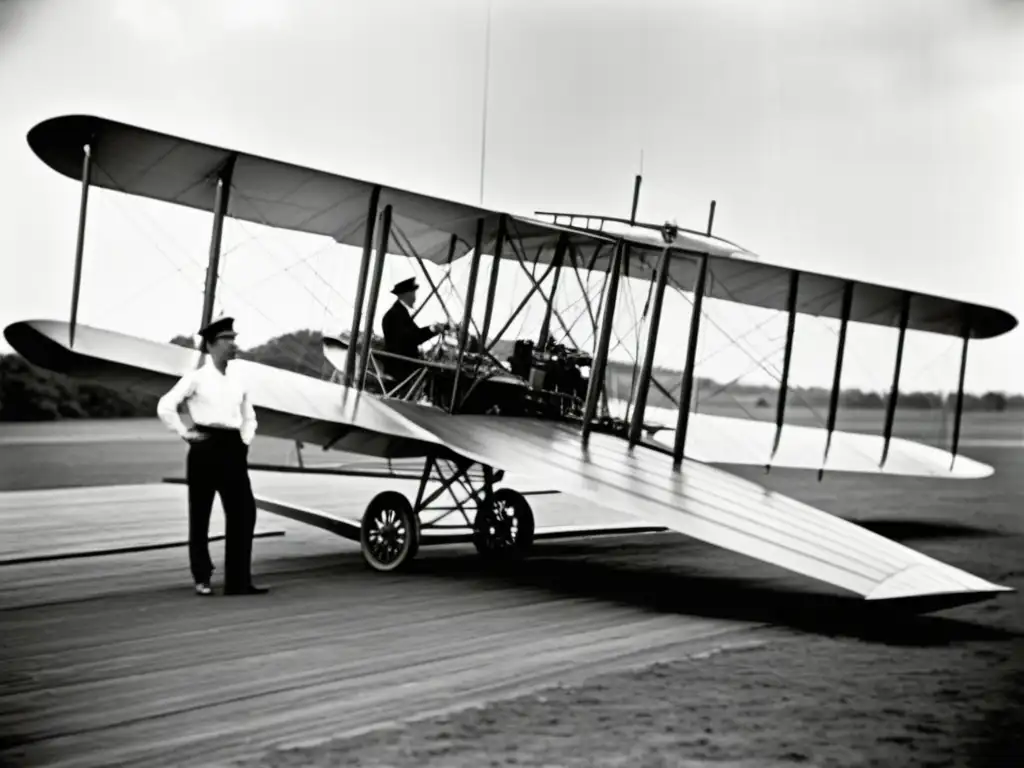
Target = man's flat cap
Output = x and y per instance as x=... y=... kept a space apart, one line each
x=409 y=284
x=223 y=326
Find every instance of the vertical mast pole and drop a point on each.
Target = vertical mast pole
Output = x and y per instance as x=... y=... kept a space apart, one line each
x=487 y=78
x=636 y=198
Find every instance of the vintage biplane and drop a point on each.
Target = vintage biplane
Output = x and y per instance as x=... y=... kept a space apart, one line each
x=476 y=421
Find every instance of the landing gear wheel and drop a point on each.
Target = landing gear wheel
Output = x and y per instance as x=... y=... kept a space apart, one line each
x=390 y=532
x=504 y=528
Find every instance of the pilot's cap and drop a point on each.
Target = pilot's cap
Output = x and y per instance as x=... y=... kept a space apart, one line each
x=221 y=328
x=409 y=284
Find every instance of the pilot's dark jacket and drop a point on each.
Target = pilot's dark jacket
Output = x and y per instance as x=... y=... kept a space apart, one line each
x=402 y=337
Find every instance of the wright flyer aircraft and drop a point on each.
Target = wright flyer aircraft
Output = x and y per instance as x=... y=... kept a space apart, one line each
x=478 y=422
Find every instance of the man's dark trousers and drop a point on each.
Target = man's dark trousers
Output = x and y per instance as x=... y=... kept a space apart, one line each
x=219 y=464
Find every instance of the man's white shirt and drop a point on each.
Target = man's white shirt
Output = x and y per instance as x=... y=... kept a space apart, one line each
x=214 y=399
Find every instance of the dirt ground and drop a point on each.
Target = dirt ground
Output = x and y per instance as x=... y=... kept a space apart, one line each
x=936 y=692
x=832 y=681
x=824 y=702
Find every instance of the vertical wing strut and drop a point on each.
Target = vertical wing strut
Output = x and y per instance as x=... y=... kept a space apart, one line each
x=890 y=408
x=83 y=206
x=220 y=209
x=364 y=267
x=686 y=388
x=787 y=359
x=467 y=316
x=597 y=370
x=371 y=302
x=960 y=396
x=644 y=384
x=833 y=404
x=545 y=327
x=492 y=286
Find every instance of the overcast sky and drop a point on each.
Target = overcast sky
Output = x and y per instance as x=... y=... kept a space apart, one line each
x=878 y=140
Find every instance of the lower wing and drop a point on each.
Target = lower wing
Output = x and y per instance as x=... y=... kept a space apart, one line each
x=697 y=500
x=725 y=440
x=706 y=503
x=288 y=405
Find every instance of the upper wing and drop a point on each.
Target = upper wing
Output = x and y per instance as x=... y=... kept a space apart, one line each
x=705 y=503
x=737 y=275
x=177 y=170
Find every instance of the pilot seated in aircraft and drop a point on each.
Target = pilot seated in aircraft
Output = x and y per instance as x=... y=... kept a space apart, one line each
x=401 y=334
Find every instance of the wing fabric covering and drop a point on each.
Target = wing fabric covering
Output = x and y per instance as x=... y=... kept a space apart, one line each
x=176 y=170
x=184 y=172
x=704 y=502
x=726 y=440
x=699 y=501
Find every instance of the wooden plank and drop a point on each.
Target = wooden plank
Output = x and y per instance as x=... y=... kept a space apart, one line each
x=62 y=523
x=114 y=661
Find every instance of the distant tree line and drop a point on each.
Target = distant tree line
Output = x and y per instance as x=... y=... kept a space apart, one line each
x=29 y=393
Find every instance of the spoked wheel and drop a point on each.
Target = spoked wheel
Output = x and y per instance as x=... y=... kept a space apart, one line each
x=504 y=528
x=390 y=532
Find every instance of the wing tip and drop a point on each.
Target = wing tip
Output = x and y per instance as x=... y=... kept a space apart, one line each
x=936 y=601
x=29 y=339
x=933 y=586
x=990 y=321
x=59 y=141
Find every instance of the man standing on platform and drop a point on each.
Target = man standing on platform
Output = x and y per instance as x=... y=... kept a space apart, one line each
x=224 y=426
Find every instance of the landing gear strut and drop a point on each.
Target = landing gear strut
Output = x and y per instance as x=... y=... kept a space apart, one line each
x=502 y=525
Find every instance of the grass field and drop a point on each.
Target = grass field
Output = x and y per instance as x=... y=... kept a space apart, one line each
x=102 y=452
x=113 y=452
x=831 y=686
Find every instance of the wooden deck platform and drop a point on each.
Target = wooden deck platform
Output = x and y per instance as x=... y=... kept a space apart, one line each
x=111 y=660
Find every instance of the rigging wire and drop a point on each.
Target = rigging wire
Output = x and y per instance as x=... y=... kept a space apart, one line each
x=759 y=363
x=227 y=286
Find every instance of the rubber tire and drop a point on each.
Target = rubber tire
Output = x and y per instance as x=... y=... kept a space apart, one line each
x=524 y=536
x=400 y=504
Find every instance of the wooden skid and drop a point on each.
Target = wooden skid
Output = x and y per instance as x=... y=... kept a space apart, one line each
x=349 y=529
